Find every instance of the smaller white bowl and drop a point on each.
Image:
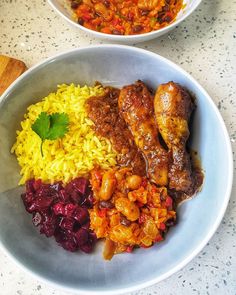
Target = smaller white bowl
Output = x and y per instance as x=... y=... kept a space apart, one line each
x=63 y=9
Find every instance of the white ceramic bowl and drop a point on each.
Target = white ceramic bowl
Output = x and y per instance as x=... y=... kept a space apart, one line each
x=63 y=9
x=198 y=219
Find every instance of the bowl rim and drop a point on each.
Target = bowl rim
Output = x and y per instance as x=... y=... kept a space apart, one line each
x=144 y=36
x=228 y=186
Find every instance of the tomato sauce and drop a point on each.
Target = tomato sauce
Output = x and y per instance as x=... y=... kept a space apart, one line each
x=127 y=17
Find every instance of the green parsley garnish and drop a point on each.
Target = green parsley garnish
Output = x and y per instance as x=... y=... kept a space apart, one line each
x=50 y=127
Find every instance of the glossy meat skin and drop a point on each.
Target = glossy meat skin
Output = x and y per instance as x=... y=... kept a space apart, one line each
x=173 y=107
x=136 y=106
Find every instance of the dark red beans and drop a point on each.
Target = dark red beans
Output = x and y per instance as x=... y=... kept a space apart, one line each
x=124 y=221
x=167 y=19
x=74 y=4
x=80 y=21
x=166 y=8
x=117 y=32
x=137 y=28
x=62 y=212
x=106 y=204
x=106 y=3
x=144 y=12
x=170 y=222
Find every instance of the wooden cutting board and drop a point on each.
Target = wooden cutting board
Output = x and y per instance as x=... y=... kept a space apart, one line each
x=10 y=69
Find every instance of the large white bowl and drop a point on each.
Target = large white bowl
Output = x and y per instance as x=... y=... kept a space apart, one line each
x=63 y=9
x=198 y=219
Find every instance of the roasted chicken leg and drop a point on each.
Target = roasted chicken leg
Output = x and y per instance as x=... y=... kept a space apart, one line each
x=173 y=107
x=136 y=106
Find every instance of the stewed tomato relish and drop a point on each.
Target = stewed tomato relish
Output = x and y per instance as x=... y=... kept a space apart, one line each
x=125 y=17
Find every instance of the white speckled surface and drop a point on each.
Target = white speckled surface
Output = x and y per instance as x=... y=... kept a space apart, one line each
x=204 y=45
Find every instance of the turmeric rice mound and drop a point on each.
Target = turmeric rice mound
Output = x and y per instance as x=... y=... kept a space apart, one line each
x=79 y=151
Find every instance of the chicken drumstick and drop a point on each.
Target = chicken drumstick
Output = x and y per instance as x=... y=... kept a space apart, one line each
x=136 y=106
x=173 y=107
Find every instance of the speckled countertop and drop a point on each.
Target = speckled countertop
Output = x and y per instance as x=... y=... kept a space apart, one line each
x=205 y=46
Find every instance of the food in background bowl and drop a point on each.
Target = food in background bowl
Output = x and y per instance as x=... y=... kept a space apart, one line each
x=121 y=153
x=125 y=17
x=141 y=24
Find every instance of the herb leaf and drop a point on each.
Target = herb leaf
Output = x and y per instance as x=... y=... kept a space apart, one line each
x=58 y=125
x=50 y=126
x=41 y=125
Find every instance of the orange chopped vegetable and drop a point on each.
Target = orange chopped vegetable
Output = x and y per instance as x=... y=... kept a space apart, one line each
x=135 y=213
x=126 y=17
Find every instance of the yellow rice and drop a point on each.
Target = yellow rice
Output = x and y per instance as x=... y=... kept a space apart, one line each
x=71 y=156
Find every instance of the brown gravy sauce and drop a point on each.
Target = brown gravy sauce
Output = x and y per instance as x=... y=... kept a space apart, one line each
x=103 y=111
x=197 y=181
